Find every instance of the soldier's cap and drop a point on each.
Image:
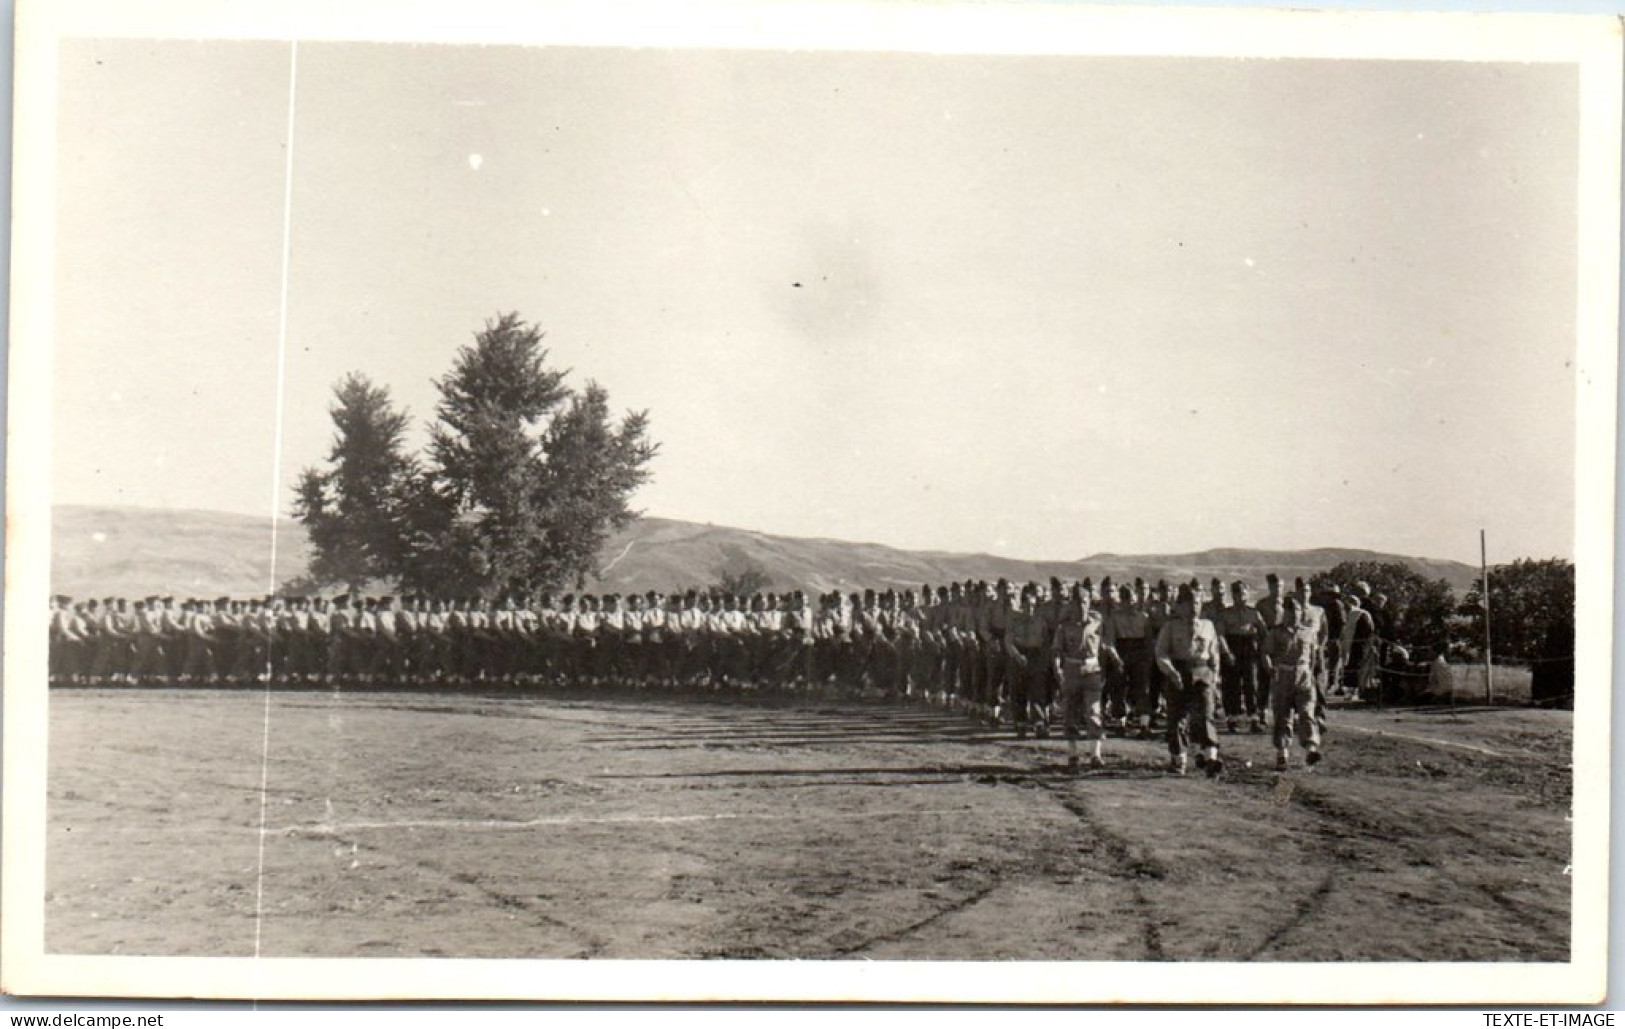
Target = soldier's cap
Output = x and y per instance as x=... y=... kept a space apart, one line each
x=150 y=600
x=1238 y=586
x=1335 y=589
x=222 y=602
x=1124 y=592
x=169 y=600
x=63 y=598
x=386 y=600
x=1363 y=589
x=342 y=598
x=140 y=603
x=1272 y=577
x=1162 y=584
x=1003 y=586
x=1186 y=595
x=1298 y=583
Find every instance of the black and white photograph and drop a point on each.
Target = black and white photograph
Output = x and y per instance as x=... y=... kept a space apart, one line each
x=887 y=502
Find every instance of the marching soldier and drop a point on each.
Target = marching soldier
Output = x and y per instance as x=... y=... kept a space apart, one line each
x=1188 y=651
x=1127 y=637
x=1290 y=662
x=1076 y=653
x=1244 y=635
x=1029 y=667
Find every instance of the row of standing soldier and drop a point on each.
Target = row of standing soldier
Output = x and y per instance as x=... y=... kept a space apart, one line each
x=983 y=648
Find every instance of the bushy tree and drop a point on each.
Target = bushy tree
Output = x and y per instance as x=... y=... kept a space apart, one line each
x=523 y=481
x=476 y=517
x=591 y=468
x=1419 y=608
x=1531 y=609
x=742 y=581
x=351 y=510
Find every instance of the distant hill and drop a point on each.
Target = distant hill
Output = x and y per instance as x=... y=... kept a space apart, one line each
x=125 y=551
x=137 y=552
x=1252 y=565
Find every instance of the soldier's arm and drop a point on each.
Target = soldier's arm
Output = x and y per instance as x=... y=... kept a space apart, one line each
x=1164 y=654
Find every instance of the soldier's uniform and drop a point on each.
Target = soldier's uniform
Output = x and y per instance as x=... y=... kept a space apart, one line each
x=1157 y=613
x=1028 y=665
x=994 y=631
x=1077 y=650
x=1128 y=641
x=1290 y=656
x=341 y=643
x=67 y=641
x=1244 y=632
x=147 y=660
x=1188 y=651
x=200 y=667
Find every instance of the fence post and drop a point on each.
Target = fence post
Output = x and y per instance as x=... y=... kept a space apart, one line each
x=1489 y=669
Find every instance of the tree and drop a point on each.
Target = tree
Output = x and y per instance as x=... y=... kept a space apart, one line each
x=352 y=511
x=525 y=478
x=742 y=581
x=1531 y=609
x=523 y=482
x=1420 y=608
x=590 y=471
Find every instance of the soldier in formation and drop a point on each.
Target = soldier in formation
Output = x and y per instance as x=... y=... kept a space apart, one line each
x=1102 y=659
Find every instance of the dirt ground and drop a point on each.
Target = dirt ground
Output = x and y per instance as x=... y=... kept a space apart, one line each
x=417 y=824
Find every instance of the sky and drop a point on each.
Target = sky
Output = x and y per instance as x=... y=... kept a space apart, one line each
x=1035 y=306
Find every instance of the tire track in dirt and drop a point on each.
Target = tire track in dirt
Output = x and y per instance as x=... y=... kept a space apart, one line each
x=1378 y=835
x=979 y=894
x=1308 y=907
x=1131 y=868
x=592 y=944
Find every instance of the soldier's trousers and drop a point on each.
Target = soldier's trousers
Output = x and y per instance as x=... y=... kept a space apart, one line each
x=199 y=659
x=1241 y=678
x=951 y=658
x=1191 y=705
x=1128 y=688
x=994 y=689
x=148 y=660
x=1081 y=694
x=1293 y=695
x=1028 y=677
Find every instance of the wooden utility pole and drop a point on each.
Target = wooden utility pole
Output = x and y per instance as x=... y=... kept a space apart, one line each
x=1484 y=580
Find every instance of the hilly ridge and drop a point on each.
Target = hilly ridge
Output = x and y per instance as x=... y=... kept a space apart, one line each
x=132 y=552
